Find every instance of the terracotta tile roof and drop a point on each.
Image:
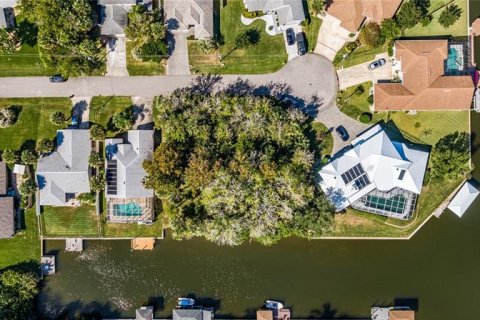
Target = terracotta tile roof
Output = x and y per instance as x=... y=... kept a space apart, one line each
x=476 y=27
x=424 y=86
x=401 y=315
x=264 y=315
x=352 y=13
x=7 y=228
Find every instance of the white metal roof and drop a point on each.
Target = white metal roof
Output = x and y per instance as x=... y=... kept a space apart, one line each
x=383 y=162
x=463 y=199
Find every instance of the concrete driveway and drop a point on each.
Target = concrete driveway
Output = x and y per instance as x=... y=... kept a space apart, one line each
x=177 y=64
x=358 y=74
x=292 y=50
x=331 y=37
x=117 y=58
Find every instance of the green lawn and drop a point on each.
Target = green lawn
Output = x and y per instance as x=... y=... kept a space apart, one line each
x=24 y=62
x=460 y=28
x=138 y=67
x=33 y=122
x=359 y=55
x=311 y=33
x=24 y=246
x=267 y=56
x=70 y=221
x=324 y=138
x=116 y=230
x=103 y=108
x=353 y=102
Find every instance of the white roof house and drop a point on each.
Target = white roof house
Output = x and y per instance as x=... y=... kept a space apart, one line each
x=125 y=159
x=463 y=199
x=376 y=174
x=285 y=12
x=64 y=172
x=116 y=14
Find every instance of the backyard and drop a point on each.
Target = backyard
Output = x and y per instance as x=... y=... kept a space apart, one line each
x=267 y=56
x=103 y=108
x=33 y=122
x=138 y=67
x=24 y=246
x=459 y=29
x=70 y=221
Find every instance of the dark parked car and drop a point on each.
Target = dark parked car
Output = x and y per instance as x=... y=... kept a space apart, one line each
x=342 y=132
x=290 y=36
x=376 y=64
x=301 y=44
x=57 y=78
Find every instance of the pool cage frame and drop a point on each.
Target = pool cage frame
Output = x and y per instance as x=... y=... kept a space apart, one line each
x=467 y=65
x=147 y=205
x=407 y=210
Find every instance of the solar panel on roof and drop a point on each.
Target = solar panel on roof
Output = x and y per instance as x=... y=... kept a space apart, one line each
x=352 y=173
x=362 y=182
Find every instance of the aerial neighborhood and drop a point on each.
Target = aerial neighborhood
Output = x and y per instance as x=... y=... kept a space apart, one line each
x=231 y=122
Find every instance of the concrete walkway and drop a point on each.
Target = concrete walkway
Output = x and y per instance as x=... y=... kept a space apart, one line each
x=358 y=74
x=331 y=37
x=177 y=63
x=142 y=108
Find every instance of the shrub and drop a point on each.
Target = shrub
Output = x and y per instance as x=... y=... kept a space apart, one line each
x=251 y=14
x=359 y=90
x=28 y=157
x=123 y=120
x=87 y=198
x=8 y=117
x=97 y=132
x=10 y=156
x=57 y=118
x=95 y=160
x=417 y=125
x=365 y=117
x=390 y=48
x=27 y=188
x=352 y=34
x=370 y=99
x=352 y=46
x=97 y=183
x=370 y=36
x=44 y=146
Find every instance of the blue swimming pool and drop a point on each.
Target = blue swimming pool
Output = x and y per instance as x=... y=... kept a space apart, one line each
x=453 y=60
x=128 y=209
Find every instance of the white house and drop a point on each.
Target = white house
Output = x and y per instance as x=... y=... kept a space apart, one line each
x=377 y=175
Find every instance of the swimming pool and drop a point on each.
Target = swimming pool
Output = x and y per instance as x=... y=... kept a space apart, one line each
x=454 y=60
x=395 y=204
x=128 y=209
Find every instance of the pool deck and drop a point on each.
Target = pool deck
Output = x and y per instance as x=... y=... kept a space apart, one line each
x=143 y=243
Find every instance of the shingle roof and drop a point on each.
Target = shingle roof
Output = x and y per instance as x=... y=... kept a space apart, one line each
x=476 y=27
x=118 y=2
x=65 y=170
x=144 y=313
x=7 y=220
x=264 y=315
x=463 y=199
x=287 y=10
x=187 y=314
x=130 y=156
x=3 y=178
x=352 y=13
x=424 y=86
x=401 y=315
x=116 y=19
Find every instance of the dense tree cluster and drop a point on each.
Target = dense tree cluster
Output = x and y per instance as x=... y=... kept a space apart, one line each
x=147 y=32
x=236 y=168
x=450 y=156
x=8 y=41
x=57 y=118
x=124 y=120
x=66 y=34
x=17 y=294
x=371 y=36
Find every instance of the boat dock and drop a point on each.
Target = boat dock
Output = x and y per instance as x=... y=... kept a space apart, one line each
x=143 y=243
x=47 y=265
x=74 y=244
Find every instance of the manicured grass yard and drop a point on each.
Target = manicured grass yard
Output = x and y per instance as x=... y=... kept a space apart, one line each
x=24 y=246
x=33 y=122
x=324 y=138
x=267 y=56
x=354 y=102
x=460 y=28
x=311 y=33
x=103 y=108
x=24 y=62
x=132 y=229
x=137 y=67
x=70 y=221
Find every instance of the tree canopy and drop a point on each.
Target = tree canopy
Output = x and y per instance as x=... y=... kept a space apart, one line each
x=409 y=15
x=370 y=36
x=66 y=34
x=17 y=294
x=450 y=15
x=236 y=168
x=450 y=156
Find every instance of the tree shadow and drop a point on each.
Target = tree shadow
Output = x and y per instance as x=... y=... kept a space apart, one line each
x=28 y=145
x=328 y=312
x=172 y=24
x=205 y=84
x=25 y=266
x=27 y=32
x=158 y=303
x=411 y=303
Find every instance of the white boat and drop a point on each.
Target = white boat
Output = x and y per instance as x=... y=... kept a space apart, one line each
x=185 y=302
x=275 y=305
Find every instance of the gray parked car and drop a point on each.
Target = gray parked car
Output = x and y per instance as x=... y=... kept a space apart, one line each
x=376 y=64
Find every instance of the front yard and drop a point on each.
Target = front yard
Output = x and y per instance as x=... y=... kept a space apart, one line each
x=70 y=221
x=459 y=29
x=24 y=246
x=103 y=108
x=139 y=67
x=360 y=55
x=33 y=122
x=267 y=56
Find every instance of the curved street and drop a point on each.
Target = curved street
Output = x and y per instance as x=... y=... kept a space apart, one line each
x=310 y=82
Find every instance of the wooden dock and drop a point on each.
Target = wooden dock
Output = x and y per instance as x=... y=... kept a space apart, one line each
x=143 y=243
x=74 y=244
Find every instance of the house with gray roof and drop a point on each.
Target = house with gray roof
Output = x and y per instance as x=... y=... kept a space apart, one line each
x=284 y=12
x=128 y=200
x=194 y=16
x=64 y=173
x=115 y=14
x=7 y=13
x=7 y=208
x=192 y=314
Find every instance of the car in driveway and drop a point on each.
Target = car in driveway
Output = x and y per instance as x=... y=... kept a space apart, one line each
x=342 y=132
x=290 y=33
x=302 y=49
x=57 y=78
x=376 y=64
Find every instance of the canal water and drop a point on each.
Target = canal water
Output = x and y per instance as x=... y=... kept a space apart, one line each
x=437 y=272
